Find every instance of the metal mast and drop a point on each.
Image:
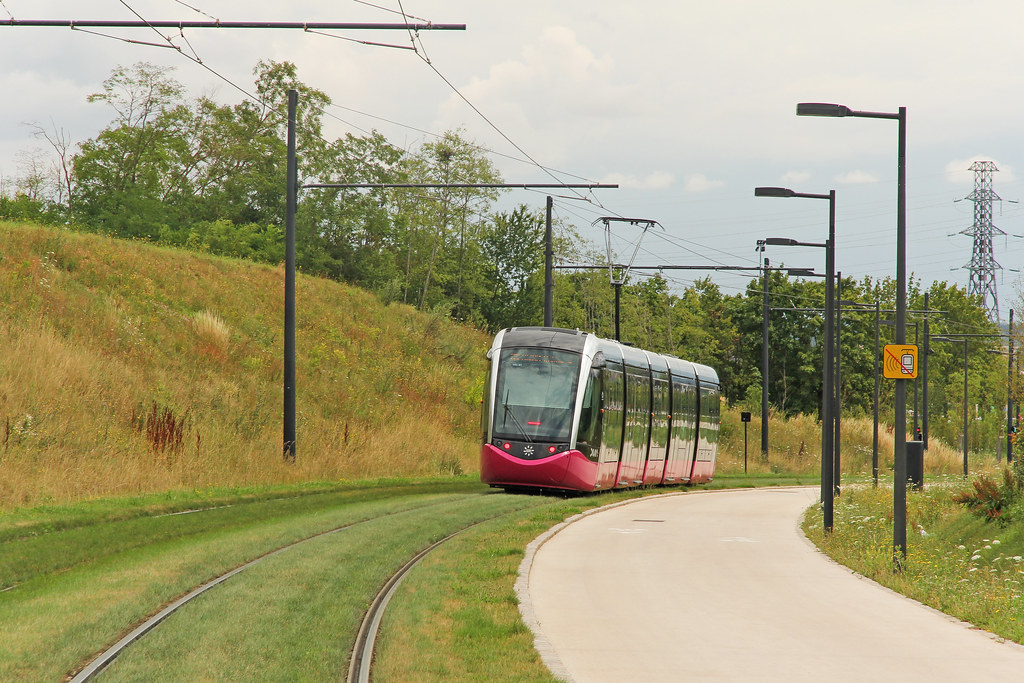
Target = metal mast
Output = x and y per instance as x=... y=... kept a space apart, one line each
x=982 y=265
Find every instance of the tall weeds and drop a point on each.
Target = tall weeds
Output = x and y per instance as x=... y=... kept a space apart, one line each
x=117 y=376
x=794 y=446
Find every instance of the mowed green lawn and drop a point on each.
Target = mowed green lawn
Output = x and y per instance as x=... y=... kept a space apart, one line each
x=75 y=579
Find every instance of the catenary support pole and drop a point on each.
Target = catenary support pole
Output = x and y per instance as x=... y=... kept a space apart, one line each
x=1009 y=396
x=289 y=283
x=764 y=363
x=924 y=378
x=878 y=350
x=899 y=503
x=837 y=409
x=965 y=409
x=549 y=254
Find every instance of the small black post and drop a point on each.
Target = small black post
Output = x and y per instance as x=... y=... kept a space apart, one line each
x=289 y=284
x=745 y=418
x=549 y=281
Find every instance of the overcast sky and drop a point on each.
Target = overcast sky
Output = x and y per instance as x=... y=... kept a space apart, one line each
x=687 y=105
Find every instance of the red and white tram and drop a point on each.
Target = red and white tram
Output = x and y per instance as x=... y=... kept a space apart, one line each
x=564 y=409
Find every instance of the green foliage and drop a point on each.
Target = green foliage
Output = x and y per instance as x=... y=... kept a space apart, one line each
x=992 y=500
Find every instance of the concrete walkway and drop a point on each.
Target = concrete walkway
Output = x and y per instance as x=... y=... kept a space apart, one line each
x=723 y=586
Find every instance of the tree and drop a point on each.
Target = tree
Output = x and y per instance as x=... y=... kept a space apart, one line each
x=119 y=176
x=450 y=219
x=513 y=247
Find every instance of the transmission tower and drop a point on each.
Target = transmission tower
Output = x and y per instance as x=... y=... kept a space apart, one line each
x=982 y=264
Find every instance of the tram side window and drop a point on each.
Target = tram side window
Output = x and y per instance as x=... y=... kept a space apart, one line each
x=589 y=440
x=485 y=403
x=613 y=386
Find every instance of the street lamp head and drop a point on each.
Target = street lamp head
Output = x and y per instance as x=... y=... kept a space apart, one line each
x=773 y=192
x=781 y=242
x=821 y=109
x=800 y=272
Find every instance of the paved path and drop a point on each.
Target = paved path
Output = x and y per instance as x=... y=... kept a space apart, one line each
x=723 y=586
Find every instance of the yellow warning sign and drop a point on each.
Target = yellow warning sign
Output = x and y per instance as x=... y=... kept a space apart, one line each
x=899 y=361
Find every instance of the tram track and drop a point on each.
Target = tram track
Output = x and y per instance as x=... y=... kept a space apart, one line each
x=362 y=653
x=101 y=662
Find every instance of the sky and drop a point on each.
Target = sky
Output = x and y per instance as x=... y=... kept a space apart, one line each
x=686 y=105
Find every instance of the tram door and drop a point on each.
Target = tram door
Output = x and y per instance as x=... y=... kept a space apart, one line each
x=612 y=403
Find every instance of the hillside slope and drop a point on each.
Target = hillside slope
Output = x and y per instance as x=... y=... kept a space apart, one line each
x=131 y=368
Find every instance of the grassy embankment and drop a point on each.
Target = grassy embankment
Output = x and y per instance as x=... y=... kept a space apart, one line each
x=130 y=369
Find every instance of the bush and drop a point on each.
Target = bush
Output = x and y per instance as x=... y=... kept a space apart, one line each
x=991 y=500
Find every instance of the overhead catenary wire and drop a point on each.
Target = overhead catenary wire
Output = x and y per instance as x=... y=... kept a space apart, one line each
x=309 y=26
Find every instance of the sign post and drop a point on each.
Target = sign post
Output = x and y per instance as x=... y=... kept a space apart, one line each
x=899 y=362
x=745 y=418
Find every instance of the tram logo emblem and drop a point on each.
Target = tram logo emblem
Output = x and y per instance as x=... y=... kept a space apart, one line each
x=899 y=361
x=528 y=451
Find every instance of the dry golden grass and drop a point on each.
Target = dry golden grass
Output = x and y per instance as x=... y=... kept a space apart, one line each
x=794 y=445
x=100 y=335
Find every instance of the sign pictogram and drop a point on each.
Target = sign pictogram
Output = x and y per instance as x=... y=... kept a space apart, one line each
x=899 y=361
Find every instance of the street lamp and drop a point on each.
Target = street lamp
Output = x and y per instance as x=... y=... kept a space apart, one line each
x=964 y=342
x=899 y=536
x=827 y=448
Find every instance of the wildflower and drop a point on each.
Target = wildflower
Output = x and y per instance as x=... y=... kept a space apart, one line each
x=975 y=557
x=962 y=547
x=995 y=541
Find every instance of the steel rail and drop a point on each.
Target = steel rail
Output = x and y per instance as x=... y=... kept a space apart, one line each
x=103 y=660
x=366 y=638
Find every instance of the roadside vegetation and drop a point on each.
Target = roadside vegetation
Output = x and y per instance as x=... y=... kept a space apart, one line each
x=965 y=544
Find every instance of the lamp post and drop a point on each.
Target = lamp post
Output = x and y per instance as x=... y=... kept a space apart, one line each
x=964 y=342
x=899 y=536
x=828 y=351
x=827 y=391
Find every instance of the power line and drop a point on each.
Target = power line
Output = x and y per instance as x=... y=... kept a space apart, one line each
x=217 y=24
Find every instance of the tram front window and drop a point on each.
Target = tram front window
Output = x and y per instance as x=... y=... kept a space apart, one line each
x=535 y=394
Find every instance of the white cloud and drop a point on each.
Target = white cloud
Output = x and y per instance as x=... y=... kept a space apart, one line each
x=697 y=183
x=856 y=178
x=959 y=171
x=557 y=93
x=795 y=178
x=658 y=180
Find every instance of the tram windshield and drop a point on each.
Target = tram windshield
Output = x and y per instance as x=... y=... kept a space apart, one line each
x=535 y=394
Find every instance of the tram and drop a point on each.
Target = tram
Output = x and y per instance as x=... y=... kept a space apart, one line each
x=565 y=409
